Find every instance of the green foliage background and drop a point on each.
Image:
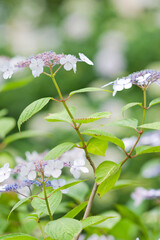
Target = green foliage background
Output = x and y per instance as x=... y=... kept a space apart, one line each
x=40 y=21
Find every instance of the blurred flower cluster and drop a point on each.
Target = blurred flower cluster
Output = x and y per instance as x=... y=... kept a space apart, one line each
x=151 y=138
x=34 y=170
x=141 y=194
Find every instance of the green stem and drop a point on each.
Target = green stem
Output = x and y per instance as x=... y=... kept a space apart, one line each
x=144 y=105
x=74 y=123
x=39 y=224
x=46 y=199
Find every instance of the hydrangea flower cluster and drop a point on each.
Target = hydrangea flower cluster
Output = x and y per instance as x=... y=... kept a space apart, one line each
x=29 y=172
x=41 y=60
x=151 y=138
x=9 y=66
x=140 y=194
x=143 y=79
x=76 y=166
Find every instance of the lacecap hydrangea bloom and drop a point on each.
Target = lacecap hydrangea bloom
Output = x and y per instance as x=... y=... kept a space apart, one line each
x=31 y=170
x=41 y=60
x=142 y=79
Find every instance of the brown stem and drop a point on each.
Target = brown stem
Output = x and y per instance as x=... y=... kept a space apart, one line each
x=90 y=201
x=89 y=205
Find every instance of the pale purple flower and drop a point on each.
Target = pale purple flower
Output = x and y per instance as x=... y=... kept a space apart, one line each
x=71 y=155
x=151 y=138
x=85 y=59
x=36 y=66
x=151 y=171
x=8 y=66
x=143 y=79
x=69 y=62
x=140 y=194
x=7 y=70
x=34 y=158
x=120 y=84
x=28 y=170
x=59 y=183
x=78 y=167
x=75 y=160
x=53 y=168
x=129 y=142
x=4 y=172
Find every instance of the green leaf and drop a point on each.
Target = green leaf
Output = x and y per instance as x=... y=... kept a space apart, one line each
x=32 y=109
x=107 y=173
x=3 y=112
x=21 y=135
x=130 y=105
x=97 y=146
x=68 y=185
x=6 y=125
x=89 y=89
x=93 y=117
x=147 y=149
x=17 y=236
x=105 y=170
x=93 y=221
x=100 y=134
x=33 y=216
x=15 y=84
x=59 y=150
x=131 y=123
x=6 y=157
x=74 y=212
x=63 y=229
x=154 y=102
x=127 y=213
x=18 y=204
x=123 y=183
x=54 y=200
x=155 y=125
x=62 y=116
x=79 y=192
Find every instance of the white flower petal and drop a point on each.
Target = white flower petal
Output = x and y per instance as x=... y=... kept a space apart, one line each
x=84 y=169
x=128 y=85
x=85 y=59
x=147 y=75
x=107 y=84
x=56 y=173
x=121 y=81
x=32 y=175
x=140 y=79
x=79 y=162
x=117 y=87
x=74 y=67
x=63 y=61
x=68 y=66
x=58 y=164
x=76 y=173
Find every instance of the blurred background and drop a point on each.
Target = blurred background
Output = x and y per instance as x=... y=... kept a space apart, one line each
x=119 y=36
